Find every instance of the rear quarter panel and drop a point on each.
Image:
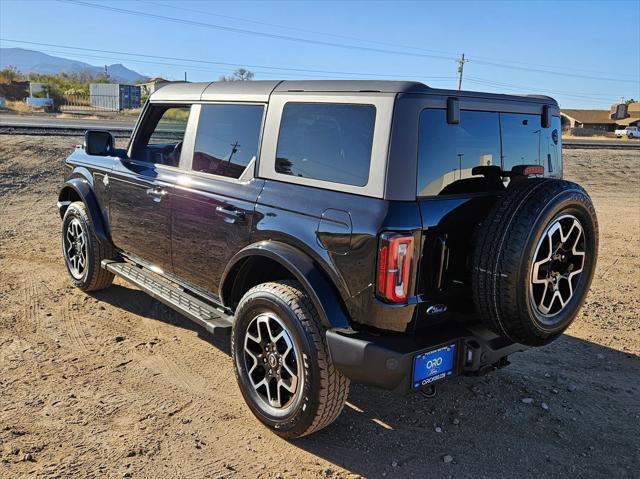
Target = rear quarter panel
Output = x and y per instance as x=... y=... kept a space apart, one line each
x=296 y=215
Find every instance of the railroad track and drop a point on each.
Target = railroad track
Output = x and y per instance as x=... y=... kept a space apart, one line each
x=41 y=130
x=125 y=132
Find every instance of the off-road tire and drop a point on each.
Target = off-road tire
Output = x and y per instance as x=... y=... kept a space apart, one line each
x=94 y=277
x=503 y=257
x=324 y=389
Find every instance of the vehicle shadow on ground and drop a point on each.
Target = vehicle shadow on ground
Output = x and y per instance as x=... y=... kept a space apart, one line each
x=580 y=413
x=140 y=303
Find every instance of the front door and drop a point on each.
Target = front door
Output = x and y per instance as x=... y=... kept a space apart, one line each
x=141 y=186
x=214 y=204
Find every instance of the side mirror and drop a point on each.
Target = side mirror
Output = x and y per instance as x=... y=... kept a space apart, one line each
x=99 y=143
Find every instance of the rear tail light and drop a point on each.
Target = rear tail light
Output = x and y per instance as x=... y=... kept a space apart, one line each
x=394 y=267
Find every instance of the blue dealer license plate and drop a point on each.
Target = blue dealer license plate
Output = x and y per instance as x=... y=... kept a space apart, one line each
x=433 y=365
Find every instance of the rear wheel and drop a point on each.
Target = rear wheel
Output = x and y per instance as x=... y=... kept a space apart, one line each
x=534 y=260
x=282 y=363
x=82 y=250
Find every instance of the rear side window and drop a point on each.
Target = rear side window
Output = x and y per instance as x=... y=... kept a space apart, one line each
x=447 y=153
x=227 y=139
x=326 y=141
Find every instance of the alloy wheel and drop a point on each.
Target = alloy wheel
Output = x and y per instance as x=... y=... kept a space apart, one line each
x=272 y=361
x=75 y=248
x=558 y=263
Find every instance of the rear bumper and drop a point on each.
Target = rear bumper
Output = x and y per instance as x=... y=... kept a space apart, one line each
x=387 y=361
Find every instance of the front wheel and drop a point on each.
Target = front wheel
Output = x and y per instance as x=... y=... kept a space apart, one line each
x=82 y=250
x=282 y=362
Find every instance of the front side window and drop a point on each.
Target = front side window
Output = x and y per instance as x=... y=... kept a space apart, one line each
x=162 y=133
x=227 y=139
x=326 y=141
x=171 y=126
x=447 y=153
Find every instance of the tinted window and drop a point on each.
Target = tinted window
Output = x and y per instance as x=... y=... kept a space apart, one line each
x=227 y=139
x=326 y=141
x=161 y=134
x=525 y=142
x=171 y=126
x=447 y=153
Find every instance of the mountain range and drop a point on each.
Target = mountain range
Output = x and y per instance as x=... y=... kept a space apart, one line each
x=32 y=61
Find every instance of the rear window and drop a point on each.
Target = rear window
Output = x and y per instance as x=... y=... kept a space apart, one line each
x=448 y=153
x=326 y=141
x=525 y=142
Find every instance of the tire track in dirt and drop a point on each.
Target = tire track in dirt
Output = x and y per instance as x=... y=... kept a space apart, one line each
x=170 y=360
x=73 y=326
x=31 y=295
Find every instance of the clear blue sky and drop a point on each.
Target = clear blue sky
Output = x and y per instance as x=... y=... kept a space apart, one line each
x=598 y=42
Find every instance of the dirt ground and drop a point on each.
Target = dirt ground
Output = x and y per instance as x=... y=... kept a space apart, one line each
x=114 y=384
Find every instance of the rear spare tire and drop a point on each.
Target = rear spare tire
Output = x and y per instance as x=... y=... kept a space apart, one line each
x=534 y=260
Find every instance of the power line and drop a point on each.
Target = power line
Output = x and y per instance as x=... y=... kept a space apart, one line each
x=303 y=30
x=555 y=93
x=360 y=39
x=253 y=32
x=211 y=62
x=551 y=72
x=334 y=44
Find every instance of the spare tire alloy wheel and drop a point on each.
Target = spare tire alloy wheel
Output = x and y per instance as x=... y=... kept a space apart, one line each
x=272 y=361
x=558 y=262
x=75 y=248
x=534 y=259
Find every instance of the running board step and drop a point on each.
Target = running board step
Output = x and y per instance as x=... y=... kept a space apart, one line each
x=206 y=315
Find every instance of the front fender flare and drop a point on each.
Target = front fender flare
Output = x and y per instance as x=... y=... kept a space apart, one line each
x=83 y=189
x=323 y=294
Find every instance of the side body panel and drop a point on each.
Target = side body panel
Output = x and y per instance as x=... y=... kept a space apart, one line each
x=212 y=221
x=86 y=177
x=306 y=218
x=140 y=210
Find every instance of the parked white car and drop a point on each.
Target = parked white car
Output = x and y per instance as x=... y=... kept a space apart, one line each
x=629 y=132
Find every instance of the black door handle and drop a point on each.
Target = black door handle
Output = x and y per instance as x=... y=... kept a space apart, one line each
x=230 y=215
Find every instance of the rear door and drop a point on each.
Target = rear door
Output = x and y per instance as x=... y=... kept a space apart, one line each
x=214 y=201
x=453 y=200
x=140 y=186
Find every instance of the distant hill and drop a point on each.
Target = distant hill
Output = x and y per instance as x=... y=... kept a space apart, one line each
x=31 y=61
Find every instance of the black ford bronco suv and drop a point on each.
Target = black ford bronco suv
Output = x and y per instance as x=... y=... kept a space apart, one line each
x=376 y=231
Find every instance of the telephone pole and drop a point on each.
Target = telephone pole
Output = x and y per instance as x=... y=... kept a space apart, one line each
x=461 y=63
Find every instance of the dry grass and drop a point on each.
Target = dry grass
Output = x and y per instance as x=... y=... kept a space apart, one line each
x=22 y=108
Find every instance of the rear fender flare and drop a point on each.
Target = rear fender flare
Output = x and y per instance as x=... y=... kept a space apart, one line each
x=82 y=188
x=323 y=294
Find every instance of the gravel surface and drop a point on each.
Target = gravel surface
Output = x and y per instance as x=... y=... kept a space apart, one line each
x=114 y=384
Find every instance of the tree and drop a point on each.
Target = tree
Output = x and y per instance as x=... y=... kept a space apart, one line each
x=630 y=100
x=241 y=74
x=10 y=74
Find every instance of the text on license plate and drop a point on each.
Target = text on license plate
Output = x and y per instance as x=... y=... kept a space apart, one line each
x=433 y=365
